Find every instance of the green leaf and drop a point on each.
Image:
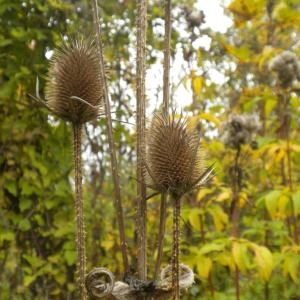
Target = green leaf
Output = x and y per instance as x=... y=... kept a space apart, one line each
x=208 y=248
x=33 y=260
x=70 y=257
x=296 y=202
x=11 y=186
x=25 y=204
x=24 y=225
x=291 y=266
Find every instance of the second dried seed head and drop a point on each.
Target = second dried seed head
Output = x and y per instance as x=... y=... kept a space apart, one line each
x=173 y=157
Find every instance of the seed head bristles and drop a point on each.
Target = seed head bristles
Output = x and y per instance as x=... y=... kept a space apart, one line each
x=286 y=65
x=239 y=130
x=72 y=88
x=174 y=161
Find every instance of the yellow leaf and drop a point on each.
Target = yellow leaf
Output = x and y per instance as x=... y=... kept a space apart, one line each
x=204 y=265
x=226 y=259
x=219 y=217
x=282 y=203
x=194 y=218
x=280 y=154
x=271 y=202
x=240 y=255
x=295 y=147
x=223 y=196
x=264 y=261
x=210 y=118
x=243 y=197
x=203 y=192
x=270 y=104
x=197 y=83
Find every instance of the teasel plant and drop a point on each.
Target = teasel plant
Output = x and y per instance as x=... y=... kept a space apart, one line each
x=141 y=30
x=73 y=93
x=286 y=67
x=165 y=109
x=175 y=166
x=238 y=130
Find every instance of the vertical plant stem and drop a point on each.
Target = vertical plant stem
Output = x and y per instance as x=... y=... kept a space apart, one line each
x=175 y=252
x=80 y=234
x=167 y=55
x=140 y=128
x=161 y=233
x=166 y=101
x=289 y=169
x=112 y=150
x=236 y=212
x=237 y=283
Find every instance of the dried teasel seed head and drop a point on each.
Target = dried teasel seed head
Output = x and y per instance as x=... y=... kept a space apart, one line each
x=174 y=161
x=287 y=67
x=239 y=130
x=73 y=87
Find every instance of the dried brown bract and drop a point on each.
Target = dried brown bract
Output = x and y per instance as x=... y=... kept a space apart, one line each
x=174 y=161
x=73 y=91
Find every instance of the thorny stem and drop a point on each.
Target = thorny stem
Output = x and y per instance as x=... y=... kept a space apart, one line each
x=166 y=101
x=112 y=150
x=141 y=125
x=80 y=234
x=161 y=233
x=167 y=54
x=175 y=254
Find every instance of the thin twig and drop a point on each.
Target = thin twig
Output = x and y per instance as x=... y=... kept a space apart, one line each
x=112 y=150
x=140 y=128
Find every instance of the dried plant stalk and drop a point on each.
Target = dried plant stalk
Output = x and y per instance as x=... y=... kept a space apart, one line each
x=80 y=234
x=175 y=251
x=166 y=100
x=72 y=93
x=140 y=128
x=175 y=166
x=112 y=150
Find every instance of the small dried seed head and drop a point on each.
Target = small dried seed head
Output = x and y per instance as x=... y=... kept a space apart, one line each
x=74 y=72
x=239 y=130
x=287 y=68
x=173 y=156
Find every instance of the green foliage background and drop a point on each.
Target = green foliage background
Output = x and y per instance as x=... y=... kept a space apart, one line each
x=37 y=247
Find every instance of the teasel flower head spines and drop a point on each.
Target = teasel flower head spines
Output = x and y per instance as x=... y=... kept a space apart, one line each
x=73 y=87
x=174 y=160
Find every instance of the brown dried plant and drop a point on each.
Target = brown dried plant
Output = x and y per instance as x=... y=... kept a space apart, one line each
x=175 y=166
x=73 y=93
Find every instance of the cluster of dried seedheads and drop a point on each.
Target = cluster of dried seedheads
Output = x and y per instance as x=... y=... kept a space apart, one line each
x=171 y=162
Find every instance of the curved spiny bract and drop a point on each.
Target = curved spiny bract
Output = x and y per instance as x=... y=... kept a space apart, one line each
x=173 y=156
x=72 y=88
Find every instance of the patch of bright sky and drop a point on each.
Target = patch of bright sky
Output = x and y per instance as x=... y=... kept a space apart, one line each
x=181 y=96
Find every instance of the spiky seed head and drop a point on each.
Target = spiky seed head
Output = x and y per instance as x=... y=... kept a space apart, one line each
x=74 y=72
x=173 y=155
